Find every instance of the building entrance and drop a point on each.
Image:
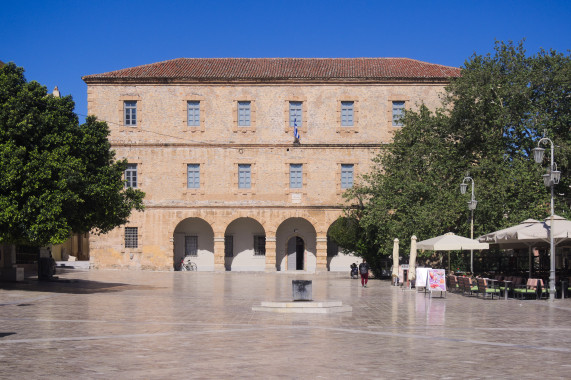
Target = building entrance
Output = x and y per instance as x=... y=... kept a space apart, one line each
x=295 y=253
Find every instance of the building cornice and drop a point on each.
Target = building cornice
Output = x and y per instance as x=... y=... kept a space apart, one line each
x=122 y=144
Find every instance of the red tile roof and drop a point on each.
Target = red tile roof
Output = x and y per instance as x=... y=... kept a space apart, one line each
x=271 y=69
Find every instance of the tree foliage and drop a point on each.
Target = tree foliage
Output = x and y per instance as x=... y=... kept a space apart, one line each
x=491 y=118
x=58 y=177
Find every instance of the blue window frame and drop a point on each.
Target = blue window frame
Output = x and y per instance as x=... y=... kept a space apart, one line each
x=244 y=109
x=131 y=176
x=244 y=176
x=398 y=112
x=130 y=113
x=193 y=113
x=193 y=176
x=295 y=113
x=295 y=176
x=347 y=110
x=347 y=176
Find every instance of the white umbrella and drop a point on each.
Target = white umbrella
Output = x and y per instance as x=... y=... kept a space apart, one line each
x=541 y=231
x=505 y=238
x=395 y=258
x=503 y=234
x=450 y=242
x=412 y=260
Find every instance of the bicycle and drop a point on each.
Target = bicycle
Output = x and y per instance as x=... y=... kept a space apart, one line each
x=187 y=265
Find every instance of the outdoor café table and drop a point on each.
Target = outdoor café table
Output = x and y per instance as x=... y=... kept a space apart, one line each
x=494 y=285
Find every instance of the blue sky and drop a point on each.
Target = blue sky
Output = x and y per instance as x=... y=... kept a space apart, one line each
x=58 y=42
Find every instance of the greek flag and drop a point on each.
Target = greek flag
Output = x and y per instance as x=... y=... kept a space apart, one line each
x=295 y=132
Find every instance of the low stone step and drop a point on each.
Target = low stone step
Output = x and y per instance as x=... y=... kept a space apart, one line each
x=310 y=307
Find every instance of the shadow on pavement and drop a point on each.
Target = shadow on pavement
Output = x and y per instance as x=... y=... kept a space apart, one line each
x=71 y=286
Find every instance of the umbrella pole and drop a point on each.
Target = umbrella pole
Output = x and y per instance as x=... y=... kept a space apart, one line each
x=530 y=262
x=449 y=263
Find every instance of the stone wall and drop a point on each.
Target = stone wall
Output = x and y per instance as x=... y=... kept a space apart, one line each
x=162 y=145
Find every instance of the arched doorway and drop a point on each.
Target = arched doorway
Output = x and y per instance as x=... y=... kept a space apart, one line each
x=338 y=258
x=296 y=253
x=194 y=237
x=245 y=246
x=296 y=241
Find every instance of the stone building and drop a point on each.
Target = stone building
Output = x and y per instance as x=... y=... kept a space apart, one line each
x=211 y=143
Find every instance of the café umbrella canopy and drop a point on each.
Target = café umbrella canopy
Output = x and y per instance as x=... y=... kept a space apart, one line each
x=450 y=242
x=507 y=238
x=501 y=236
x=538 y=232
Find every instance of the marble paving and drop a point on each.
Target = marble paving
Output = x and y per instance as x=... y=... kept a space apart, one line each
x=181 y=325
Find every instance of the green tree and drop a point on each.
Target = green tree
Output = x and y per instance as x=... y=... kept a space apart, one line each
x=492 y=116
x=58 y=177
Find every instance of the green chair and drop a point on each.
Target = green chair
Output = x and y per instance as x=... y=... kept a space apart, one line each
x=529 y=290
x=486 y=288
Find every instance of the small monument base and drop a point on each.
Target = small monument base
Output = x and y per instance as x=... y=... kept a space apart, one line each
x=301 y=290
x=308 y=307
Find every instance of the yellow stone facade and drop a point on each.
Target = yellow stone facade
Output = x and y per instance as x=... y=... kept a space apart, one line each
x=162 y=145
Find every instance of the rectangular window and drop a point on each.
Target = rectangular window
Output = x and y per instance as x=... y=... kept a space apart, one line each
x=398 y=112
x=346 y=176
x=347 y=114
x=193 y=113
x=130 y=108
x=193 y=176
x=191 y=245
x=244 y=114
x=131 y=237
x=131 y=176
x=295 y=176
x=244 y=176
x=229 y=246
x=295 y=113
x=259 y=245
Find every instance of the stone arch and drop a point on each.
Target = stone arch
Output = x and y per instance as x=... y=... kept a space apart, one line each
x=296 y=227
x=338 y=259
x=194 y=237
x=244 y=245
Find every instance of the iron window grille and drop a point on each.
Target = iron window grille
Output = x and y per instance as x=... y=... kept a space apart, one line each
x=131 y=237
x=259 y=245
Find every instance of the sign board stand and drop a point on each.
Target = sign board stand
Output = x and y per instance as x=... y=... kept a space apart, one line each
x=436 y=282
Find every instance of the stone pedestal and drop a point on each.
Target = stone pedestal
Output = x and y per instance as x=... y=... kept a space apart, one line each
x=301 y=290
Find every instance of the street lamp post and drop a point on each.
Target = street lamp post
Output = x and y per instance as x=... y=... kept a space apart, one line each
x=551 y=178
x=471 y=206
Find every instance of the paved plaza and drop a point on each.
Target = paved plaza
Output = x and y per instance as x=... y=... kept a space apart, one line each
x=169 y=325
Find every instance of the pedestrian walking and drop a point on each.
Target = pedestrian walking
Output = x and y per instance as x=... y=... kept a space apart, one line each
x=364 y=271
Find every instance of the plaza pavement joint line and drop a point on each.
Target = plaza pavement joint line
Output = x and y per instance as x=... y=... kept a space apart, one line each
x=258 y=328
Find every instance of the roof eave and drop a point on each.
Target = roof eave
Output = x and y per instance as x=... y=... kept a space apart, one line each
x=198 y=81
